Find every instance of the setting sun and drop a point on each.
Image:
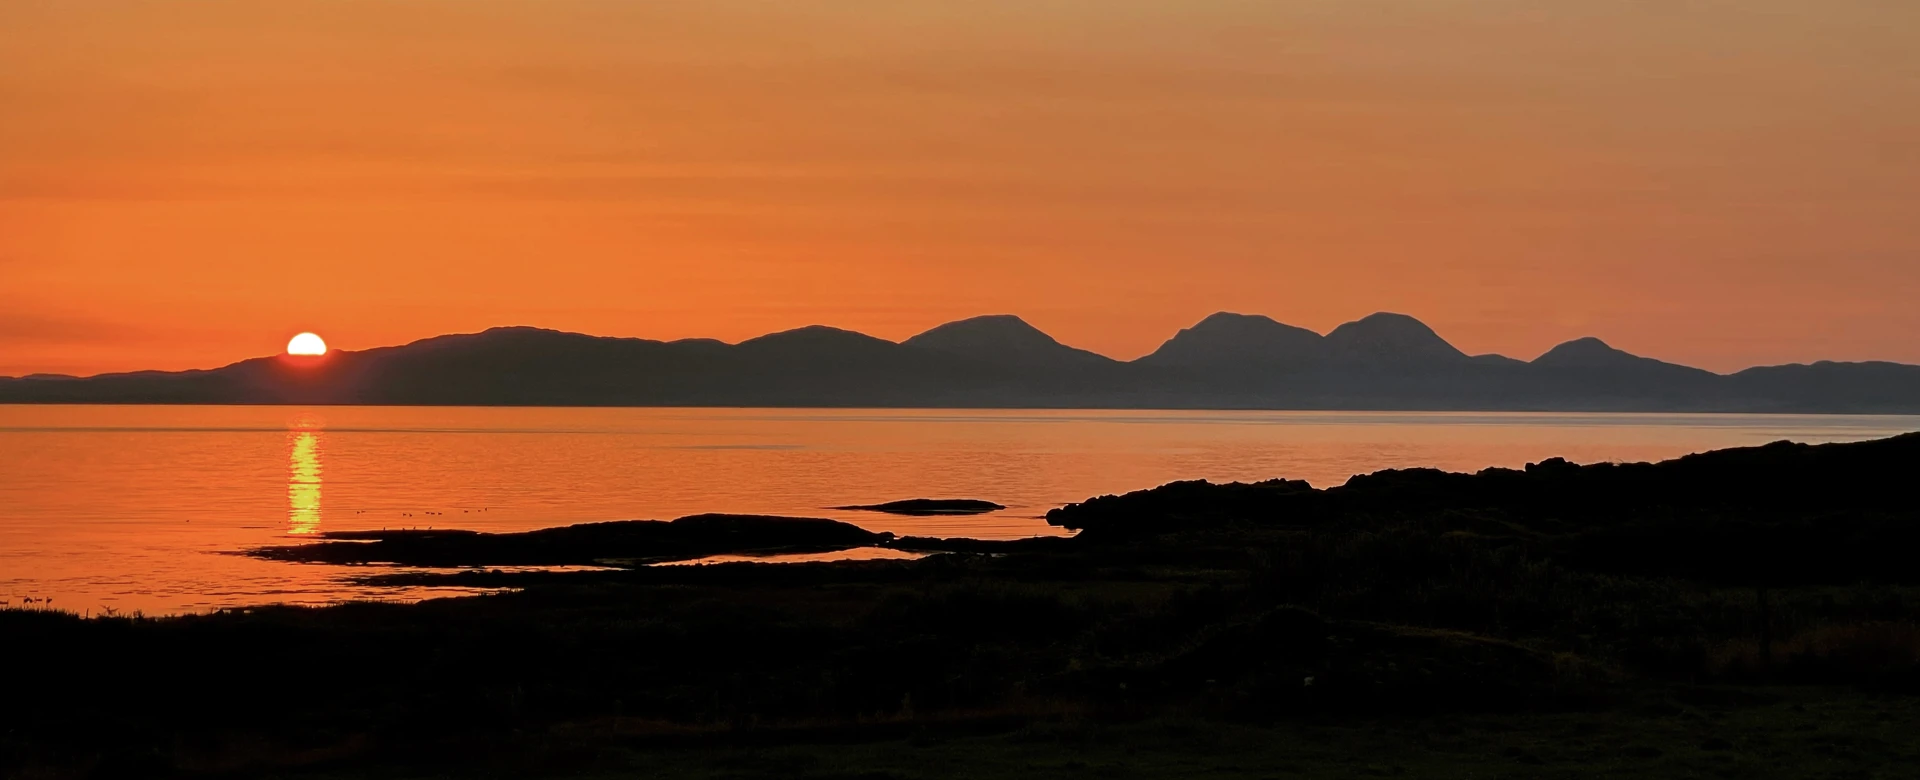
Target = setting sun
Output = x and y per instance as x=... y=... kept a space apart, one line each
x=306 y=344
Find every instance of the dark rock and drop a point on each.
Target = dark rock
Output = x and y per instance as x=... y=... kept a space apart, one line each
x=637 y=541
x=1781 y=513
x=1032 y=545
x=928 y=506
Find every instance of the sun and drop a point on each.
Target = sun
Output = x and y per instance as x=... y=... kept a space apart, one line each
x=306 y=344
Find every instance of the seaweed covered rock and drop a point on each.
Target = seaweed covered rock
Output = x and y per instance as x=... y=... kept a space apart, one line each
x=1178 y=506
x=1779 y=513
x=926 y=507
x=585 y=544
x=1778 y=479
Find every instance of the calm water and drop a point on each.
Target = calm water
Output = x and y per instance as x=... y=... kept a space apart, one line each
x=133 y=507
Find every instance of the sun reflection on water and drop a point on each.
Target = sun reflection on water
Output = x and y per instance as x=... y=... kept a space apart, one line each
x=303 y=479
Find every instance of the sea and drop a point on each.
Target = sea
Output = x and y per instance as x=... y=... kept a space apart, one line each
x=144 y=509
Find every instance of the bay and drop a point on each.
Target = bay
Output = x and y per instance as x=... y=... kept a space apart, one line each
x=139 y=508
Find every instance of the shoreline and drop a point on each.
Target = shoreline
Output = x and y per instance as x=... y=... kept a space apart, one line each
x=1751 y=607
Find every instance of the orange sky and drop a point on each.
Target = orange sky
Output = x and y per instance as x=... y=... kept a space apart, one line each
x=1722 y=183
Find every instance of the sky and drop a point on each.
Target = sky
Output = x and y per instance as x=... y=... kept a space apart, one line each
x=1722 y=183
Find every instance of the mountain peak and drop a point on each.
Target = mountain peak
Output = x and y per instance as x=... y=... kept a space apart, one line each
x=1581 y=351
x=1230 y=319
x=997 y=337
x=1593 y=354
x=1228 y=337
x=1236 y=323
x=499 y=337
x=815 y=336
x=1390 y=336
x=987 y=327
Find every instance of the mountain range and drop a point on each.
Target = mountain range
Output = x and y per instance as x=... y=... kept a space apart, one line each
x=1226 y=361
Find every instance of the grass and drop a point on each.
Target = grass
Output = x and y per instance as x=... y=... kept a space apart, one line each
x=1792 y=733
x=971 y=667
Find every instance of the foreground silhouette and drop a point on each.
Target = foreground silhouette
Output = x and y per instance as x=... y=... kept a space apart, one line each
x=1748 y=611
x=1384 y=361
x=633 y=542
x=927 y=507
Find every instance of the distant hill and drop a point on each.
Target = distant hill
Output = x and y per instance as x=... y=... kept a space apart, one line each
x=1383 y=362
x=1003 y=339
x=1392 y=339
x=1239 y=341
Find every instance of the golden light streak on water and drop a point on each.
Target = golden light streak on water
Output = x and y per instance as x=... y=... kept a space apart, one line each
x=303 y=481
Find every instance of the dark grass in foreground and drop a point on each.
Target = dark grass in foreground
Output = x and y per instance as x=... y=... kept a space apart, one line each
x=1744 y=614
x=1801 y=734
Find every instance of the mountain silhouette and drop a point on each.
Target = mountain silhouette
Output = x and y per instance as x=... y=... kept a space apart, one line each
x=1392 y=338
x=1239 y=361
x=1876 y=387
x=1593 y=374
x=1587 y=352
x=1592 y=354
x=1240 y=341
x=1002 y=338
